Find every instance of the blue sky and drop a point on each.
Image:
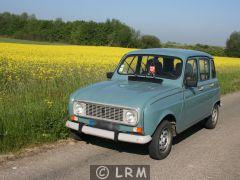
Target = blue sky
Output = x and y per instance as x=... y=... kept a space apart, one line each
x=185 y=21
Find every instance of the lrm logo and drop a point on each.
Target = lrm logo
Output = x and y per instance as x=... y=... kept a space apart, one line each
x=120 y=172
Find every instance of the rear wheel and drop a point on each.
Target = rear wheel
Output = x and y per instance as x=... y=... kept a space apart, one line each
x=212 y=120
x=161 y=144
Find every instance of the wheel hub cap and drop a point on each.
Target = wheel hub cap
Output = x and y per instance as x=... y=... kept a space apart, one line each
x=164 y=139
x=214 y=115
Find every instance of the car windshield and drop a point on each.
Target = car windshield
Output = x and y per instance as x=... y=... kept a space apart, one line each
x=151 y=65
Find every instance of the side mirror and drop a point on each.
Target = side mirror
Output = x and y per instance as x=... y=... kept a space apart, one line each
x=189 y=82
x=109 y=75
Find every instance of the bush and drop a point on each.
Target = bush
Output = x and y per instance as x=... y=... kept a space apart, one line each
x=148 y=41
x=213 y=50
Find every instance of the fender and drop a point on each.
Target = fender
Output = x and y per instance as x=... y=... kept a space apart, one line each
x=163 y=115
x=157 y=111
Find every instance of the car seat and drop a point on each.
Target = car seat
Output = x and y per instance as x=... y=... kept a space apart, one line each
x=189 y=70
x=178 y=69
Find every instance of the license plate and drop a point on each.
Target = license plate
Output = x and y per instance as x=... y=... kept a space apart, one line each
x=72 y=125
x=106 y=125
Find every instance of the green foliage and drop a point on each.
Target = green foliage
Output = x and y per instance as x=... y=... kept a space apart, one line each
x=109 y=33
x=233 y=45
x=213 y=50
x=149 y=41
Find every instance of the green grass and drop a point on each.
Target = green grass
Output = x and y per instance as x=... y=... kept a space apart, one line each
x=21 y=41
x=35 y=111
x=229 y=81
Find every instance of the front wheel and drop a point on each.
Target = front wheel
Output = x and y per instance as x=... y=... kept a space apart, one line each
x=161 y=144
x=212 y=120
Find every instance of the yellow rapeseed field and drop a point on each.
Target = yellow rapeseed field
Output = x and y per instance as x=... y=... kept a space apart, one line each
x=49 y=61
x=36 y=81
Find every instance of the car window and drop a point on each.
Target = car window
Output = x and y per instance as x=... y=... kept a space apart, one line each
x=204 y=69
x=129 y=65
x=148 y=61
x=177 y=67
x=151 y=65
x=191 y=70
x=213 y=69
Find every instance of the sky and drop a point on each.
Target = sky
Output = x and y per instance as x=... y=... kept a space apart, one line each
x=184 y=21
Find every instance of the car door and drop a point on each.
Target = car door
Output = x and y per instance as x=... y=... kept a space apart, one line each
x=213 y=88
x=205 y=86
x=193 y=100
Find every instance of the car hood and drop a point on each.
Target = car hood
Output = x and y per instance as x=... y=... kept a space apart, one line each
x=124 y=93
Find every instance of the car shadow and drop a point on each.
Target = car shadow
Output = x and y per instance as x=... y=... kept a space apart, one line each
x=117 y=146
x=187 y=133
x=136 y=148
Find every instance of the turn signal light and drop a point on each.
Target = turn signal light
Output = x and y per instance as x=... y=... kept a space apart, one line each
x=74 y=118
x=138 y=130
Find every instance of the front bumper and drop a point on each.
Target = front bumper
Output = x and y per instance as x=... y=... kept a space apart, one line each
x=132 y=138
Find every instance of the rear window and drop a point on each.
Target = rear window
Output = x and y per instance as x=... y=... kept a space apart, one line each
x=204 y=69
x=213 y=69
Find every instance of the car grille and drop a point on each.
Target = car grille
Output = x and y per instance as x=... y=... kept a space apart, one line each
x=104 y=112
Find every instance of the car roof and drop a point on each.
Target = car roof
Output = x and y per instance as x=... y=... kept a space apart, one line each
x=180 y=53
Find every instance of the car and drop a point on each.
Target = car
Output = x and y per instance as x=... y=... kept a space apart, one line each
x=151 y=97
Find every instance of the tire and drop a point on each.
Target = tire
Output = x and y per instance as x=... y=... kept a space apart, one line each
x=160 y=151
x=76 y=135
x=212 y=120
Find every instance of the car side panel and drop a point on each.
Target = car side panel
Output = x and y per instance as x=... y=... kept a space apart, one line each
x=214 y=92
x=155 y=111
x=193 y=107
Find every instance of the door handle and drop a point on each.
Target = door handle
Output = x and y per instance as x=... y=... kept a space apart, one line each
x=211 y=85
x=200 y=88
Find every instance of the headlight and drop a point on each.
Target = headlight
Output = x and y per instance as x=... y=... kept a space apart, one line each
x=130 y=117
x=79 y=108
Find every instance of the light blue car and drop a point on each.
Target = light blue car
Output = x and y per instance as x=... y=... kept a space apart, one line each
x=153 y=95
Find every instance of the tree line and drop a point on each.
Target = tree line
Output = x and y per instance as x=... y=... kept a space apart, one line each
x=109 y=33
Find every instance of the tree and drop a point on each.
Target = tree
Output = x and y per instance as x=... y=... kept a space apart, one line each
x=109 y=33
x=233 y=45
x=119 y=33
x=148 y=41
